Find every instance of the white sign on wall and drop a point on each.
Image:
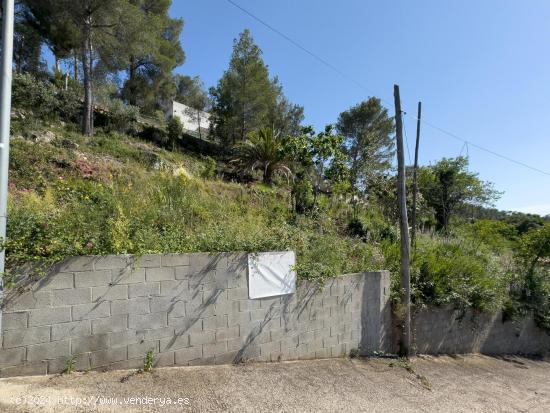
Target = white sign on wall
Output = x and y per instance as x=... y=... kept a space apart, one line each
x=271 y=274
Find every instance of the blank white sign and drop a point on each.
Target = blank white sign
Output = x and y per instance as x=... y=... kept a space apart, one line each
x=271 y=274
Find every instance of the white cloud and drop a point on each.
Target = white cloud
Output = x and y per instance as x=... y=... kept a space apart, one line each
x=543 y=209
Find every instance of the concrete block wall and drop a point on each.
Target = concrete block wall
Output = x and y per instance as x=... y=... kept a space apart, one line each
x=188 y=309
x=445 y=330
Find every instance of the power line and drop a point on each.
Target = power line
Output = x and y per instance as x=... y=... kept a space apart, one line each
x=351 y=79
x=303 y=48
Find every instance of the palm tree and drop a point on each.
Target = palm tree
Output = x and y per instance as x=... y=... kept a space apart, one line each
x=262 y=150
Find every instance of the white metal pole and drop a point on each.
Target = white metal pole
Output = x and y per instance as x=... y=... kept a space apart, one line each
x=5 y=111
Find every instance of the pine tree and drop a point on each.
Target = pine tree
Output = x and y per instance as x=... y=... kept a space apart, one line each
x=367 y=130
x=245 y=97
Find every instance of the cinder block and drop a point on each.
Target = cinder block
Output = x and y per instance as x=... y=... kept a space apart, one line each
x=141 y=349
x=186 y=324
x=242 y=319
x=182 y=273
x=165 y=359
x=235 y=344
x=185 y=355
x=175 y=260
x=175 y=306
x=12 y=356
x=175 y=288
x=226 y=358
x=90 y=343
x=205 y=337
x=72 y=329
x=12 y=321
x=159 y=274
x=237 y=294
x=123 y=338
x=159 y=333
x=104 y=357
x=71 y=296
x=56 y=281
x=203 y=262
x=27 y=369
x=110 y=262
x=214 y=349
x=322 y=353
x=46 y=316
x=227 y=333
x=77 y=264
x=147 y=321
x=110 y=293
x=131 y=306
x=128 y=275
x=144 y=290
x=223 y=307
x=15 y=301
x=272 y=347
x=25 y=336
x=147 y=261
x=90 y=311
x=249 y=305
x=110 y=324
x=47 y=351
x=197 y=280
x=81 y=363
x=92 y=278
x=214 y=323
x=174 y=342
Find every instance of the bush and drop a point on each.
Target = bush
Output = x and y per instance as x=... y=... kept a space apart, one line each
x=209 y=167
x=122 y=118
x=175 y=130
x=69 y=104
x=302 y=191
x=35 y=95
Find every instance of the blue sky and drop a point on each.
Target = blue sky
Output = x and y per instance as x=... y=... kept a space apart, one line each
x=481 y=69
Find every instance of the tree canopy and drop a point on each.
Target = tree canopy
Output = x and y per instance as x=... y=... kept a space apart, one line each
x=367 y=129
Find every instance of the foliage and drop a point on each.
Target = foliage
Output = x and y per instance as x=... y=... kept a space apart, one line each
x=175 y=131
x=367 y=130
x=262 y=151
x=452 y=272
x=149 y=361
x=246 y=99
x=122 y=118
x=530 y=289
x=448 y=185
x=32 y=94
x=69 y=365
x=302 y=192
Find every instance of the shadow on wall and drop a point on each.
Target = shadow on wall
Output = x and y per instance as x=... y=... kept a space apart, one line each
x=445 y=330
x=376 y=315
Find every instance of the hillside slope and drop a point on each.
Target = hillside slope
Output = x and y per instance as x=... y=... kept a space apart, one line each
x=113 y=193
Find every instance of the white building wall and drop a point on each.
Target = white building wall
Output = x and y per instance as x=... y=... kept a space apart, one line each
x=190 y=117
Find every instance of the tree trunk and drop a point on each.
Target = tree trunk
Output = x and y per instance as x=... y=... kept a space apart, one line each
x=57 y=64
x=87 y=69
x=75 y=65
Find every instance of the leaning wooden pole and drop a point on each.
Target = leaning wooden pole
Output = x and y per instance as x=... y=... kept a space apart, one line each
x=405 y=347
x=415 y=169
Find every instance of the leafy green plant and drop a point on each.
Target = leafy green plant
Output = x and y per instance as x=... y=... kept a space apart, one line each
x=149 y=361
x=69 y=365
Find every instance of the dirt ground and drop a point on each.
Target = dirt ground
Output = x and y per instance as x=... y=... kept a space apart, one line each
x=427 y=384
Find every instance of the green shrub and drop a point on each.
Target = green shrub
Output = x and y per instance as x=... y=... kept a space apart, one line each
x=35 y=95
x=302 y=191
x=122 y=118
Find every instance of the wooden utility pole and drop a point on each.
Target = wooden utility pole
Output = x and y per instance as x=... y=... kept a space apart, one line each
x=405 y=349
x=415 y=168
